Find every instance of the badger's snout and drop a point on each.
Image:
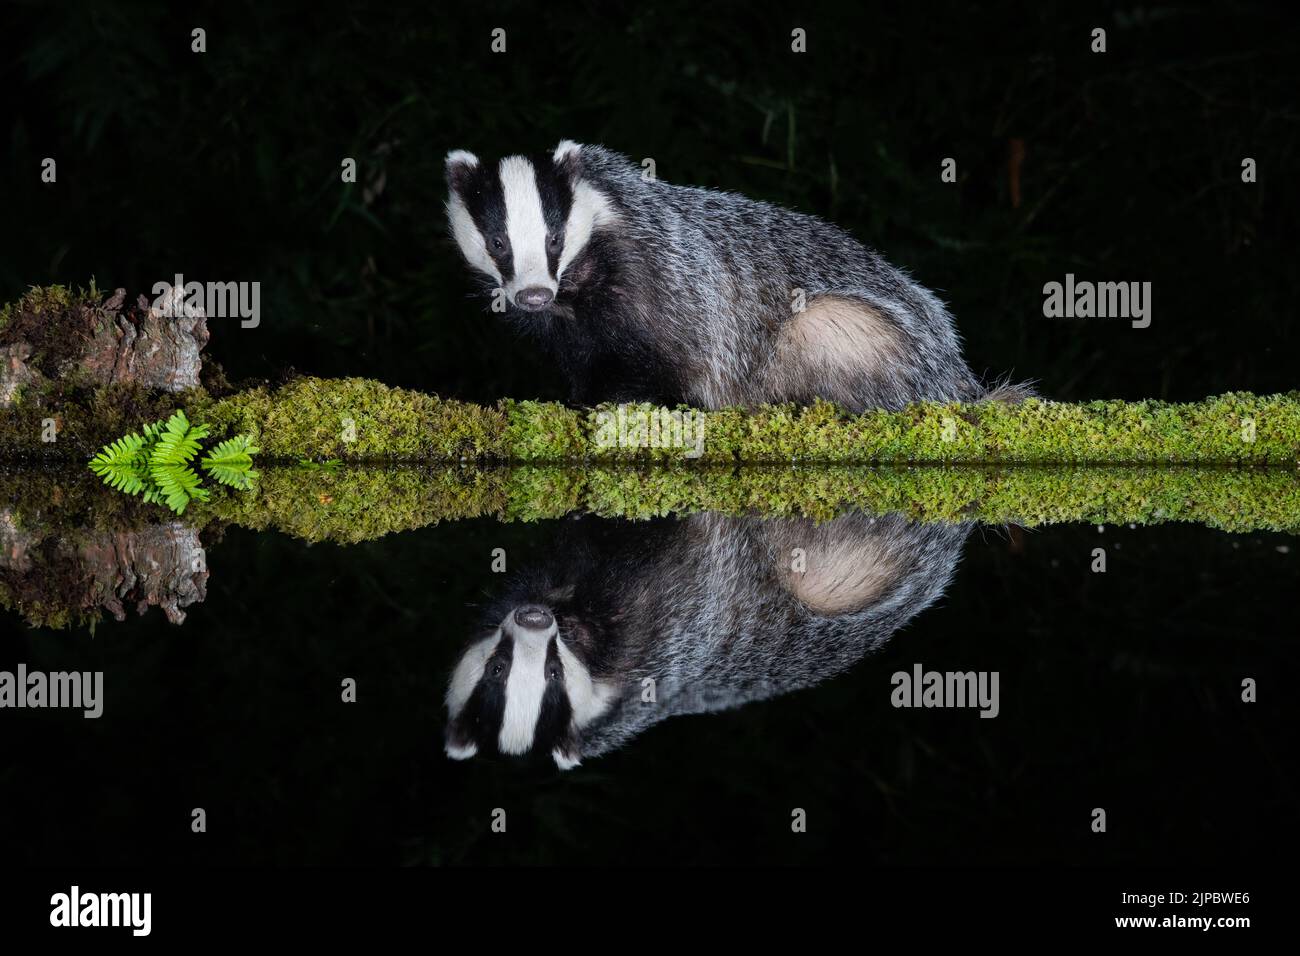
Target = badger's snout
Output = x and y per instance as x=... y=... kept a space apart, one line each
x=533 y=617
x=534 y=298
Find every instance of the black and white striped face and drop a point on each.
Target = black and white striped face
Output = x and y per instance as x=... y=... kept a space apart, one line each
x=522 y=690
x=523 y=221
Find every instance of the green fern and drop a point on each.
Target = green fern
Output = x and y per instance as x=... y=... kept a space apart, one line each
x=329 y=464
x=156 y=465
x=231 y=462
x=123 y=464
x=177 y=486
x=177 y=442
x=175 y=445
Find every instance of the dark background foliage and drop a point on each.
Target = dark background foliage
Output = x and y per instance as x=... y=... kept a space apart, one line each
x=226 y=165
x=1120 y=690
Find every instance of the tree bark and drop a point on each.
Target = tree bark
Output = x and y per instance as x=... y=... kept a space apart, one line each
x=50 y=338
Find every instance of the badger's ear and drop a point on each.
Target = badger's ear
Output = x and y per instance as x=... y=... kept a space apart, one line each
x=567 y=753
x=568 y=158
x=459 y=744
x=461 y=165
x=565 y=759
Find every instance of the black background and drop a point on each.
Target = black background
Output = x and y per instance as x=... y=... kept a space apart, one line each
x=225 y=165
x=1120 y=690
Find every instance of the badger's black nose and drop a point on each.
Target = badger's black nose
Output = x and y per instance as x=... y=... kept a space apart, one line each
x=534 y=298
x=533 y=617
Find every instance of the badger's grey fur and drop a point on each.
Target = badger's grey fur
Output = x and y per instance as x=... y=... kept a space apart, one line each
x=639 y=622
x=648 y=291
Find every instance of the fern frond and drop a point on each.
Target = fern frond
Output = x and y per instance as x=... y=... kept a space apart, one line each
x=240 y=448
x=239 y=477
x=177 y=442
x=130 y=478
x=177 y=485
x=231 y=462
x=122 y=465
x=156 y=464
x=126 y=450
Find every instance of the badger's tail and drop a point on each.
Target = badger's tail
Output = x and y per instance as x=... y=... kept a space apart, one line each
x=1005 y=390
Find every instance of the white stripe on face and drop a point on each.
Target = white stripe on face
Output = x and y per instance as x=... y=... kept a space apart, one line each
x=526 y=227
x=470 y=240
x=590 y=209
x=587 y=697
x=468 y=672
x=525 y=687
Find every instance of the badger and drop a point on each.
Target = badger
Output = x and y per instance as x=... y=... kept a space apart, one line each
x=626 y=624
x=645 y=291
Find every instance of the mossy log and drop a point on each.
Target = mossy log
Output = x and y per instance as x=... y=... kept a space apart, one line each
x=349 y=460
x=72 y=550
x=352 y=503
x=358 y=420
x=363 y=421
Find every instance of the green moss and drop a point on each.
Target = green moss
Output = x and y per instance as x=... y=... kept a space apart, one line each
x=49 y=299
x=55 y=323
x=356 y=419
x=541 y=431
x=357 y=503
x=643 y=433
x=1231 y=499
x=308 y=418
x=360 y=420
x=1033 y=463
x=84 y=419
x=537 y=492
x=353 y=503
x=1231 y=428
x=50 y=614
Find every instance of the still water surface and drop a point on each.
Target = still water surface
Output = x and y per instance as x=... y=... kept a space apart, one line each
x=775 y=692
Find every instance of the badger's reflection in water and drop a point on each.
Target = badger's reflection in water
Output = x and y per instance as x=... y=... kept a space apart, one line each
x=626 y=624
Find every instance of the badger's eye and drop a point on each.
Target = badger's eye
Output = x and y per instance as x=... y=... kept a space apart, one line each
x=553 y=673
x=554 y=242
x=497 y=669
x=499 y=243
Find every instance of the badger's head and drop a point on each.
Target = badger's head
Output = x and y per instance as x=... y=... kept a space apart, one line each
x=524 y=688
x=523 y=221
